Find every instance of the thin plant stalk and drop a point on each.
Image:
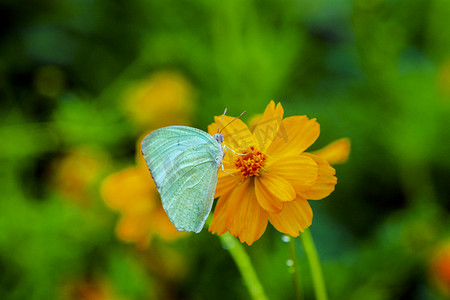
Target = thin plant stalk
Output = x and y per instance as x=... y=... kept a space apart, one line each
x=314 y=265
x=295 y=265
x=244 y=265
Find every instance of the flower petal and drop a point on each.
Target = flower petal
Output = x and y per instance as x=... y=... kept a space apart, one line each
x=335 y=153
x=295 y=135
x=226 y=182
x=245 y=218
x=229 y=160
x=267 y=126
x=295 y=217
x=272 y=191
x=299 y=170
x=326 y=180
x=254 y=121
x=218 y=224
x=162 y=226
x=118 y=189
x=132 y=228
x=236 y=134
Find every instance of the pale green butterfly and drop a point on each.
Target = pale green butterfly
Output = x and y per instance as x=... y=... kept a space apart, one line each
x=184 y=163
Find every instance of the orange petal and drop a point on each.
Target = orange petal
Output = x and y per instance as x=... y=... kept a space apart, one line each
x=128 y=189
x=140 y=160
x=132 y=228
x=226 y=182
x=162 y=225
x=229 y=160
x=254 y=121
x=335 y=153
x=295 y=135
x=245 y=218
x=272 y=191
x=326 y=180
x=218 y=224
x=295 y=217
x=299 y=170
x=267 y=126
x=236 y=135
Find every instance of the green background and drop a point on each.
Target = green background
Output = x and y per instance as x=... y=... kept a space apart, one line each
x=376 y=71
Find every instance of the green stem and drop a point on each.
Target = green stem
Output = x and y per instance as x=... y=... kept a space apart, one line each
x=314 y=265
x=244 y=265
x=295 y=266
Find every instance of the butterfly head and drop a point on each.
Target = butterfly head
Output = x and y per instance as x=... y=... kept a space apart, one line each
x=218 y=137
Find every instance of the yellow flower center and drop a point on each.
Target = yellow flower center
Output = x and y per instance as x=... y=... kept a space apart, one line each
x=250 y=163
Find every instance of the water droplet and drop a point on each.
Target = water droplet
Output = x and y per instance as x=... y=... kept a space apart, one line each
x=289 y=262
x=285 y=238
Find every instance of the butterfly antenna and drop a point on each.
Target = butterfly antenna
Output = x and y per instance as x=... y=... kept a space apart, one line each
x=221 y=120
x=232 y=120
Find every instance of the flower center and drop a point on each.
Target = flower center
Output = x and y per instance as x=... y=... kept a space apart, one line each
x=250 y=163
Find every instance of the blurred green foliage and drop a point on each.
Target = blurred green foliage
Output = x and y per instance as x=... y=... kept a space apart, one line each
x=375 y=71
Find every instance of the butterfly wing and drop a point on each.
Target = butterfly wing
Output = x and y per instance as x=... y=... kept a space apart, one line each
x=184 y=163
x=162 y=147
x=188 y=190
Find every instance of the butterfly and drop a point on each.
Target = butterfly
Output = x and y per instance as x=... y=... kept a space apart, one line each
x=184 y=163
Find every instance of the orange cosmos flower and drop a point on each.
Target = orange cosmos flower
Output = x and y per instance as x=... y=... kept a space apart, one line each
x=273 y=179
x=75 y=174
x=132 y=193
x=164 y=98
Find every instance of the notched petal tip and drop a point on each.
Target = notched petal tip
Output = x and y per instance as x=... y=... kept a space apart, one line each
x=326 y=180
x=295 y=217
x=267 y=126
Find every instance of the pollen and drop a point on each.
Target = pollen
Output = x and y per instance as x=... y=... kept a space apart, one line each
x=250 y=163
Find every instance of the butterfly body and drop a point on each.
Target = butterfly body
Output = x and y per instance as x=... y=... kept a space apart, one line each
x=184 y=163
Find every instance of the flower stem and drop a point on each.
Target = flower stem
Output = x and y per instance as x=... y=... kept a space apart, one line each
x=295 y=266
x=244 y=265
x=314 y=265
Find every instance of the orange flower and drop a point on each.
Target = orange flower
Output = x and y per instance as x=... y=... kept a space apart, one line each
x=165 y=98
x=133 y=194
x=273 y=179
x=75 y=174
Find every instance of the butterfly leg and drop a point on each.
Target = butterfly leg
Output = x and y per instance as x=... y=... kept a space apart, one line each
x=223 y=169
x=224 y=152
x=226 y=148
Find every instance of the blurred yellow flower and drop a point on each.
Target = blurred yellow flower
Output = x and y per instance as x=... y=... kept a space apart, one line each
x=440 y=268
x=75 y=174
x=273 y=180
x=165 y=98
x=132 y=193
